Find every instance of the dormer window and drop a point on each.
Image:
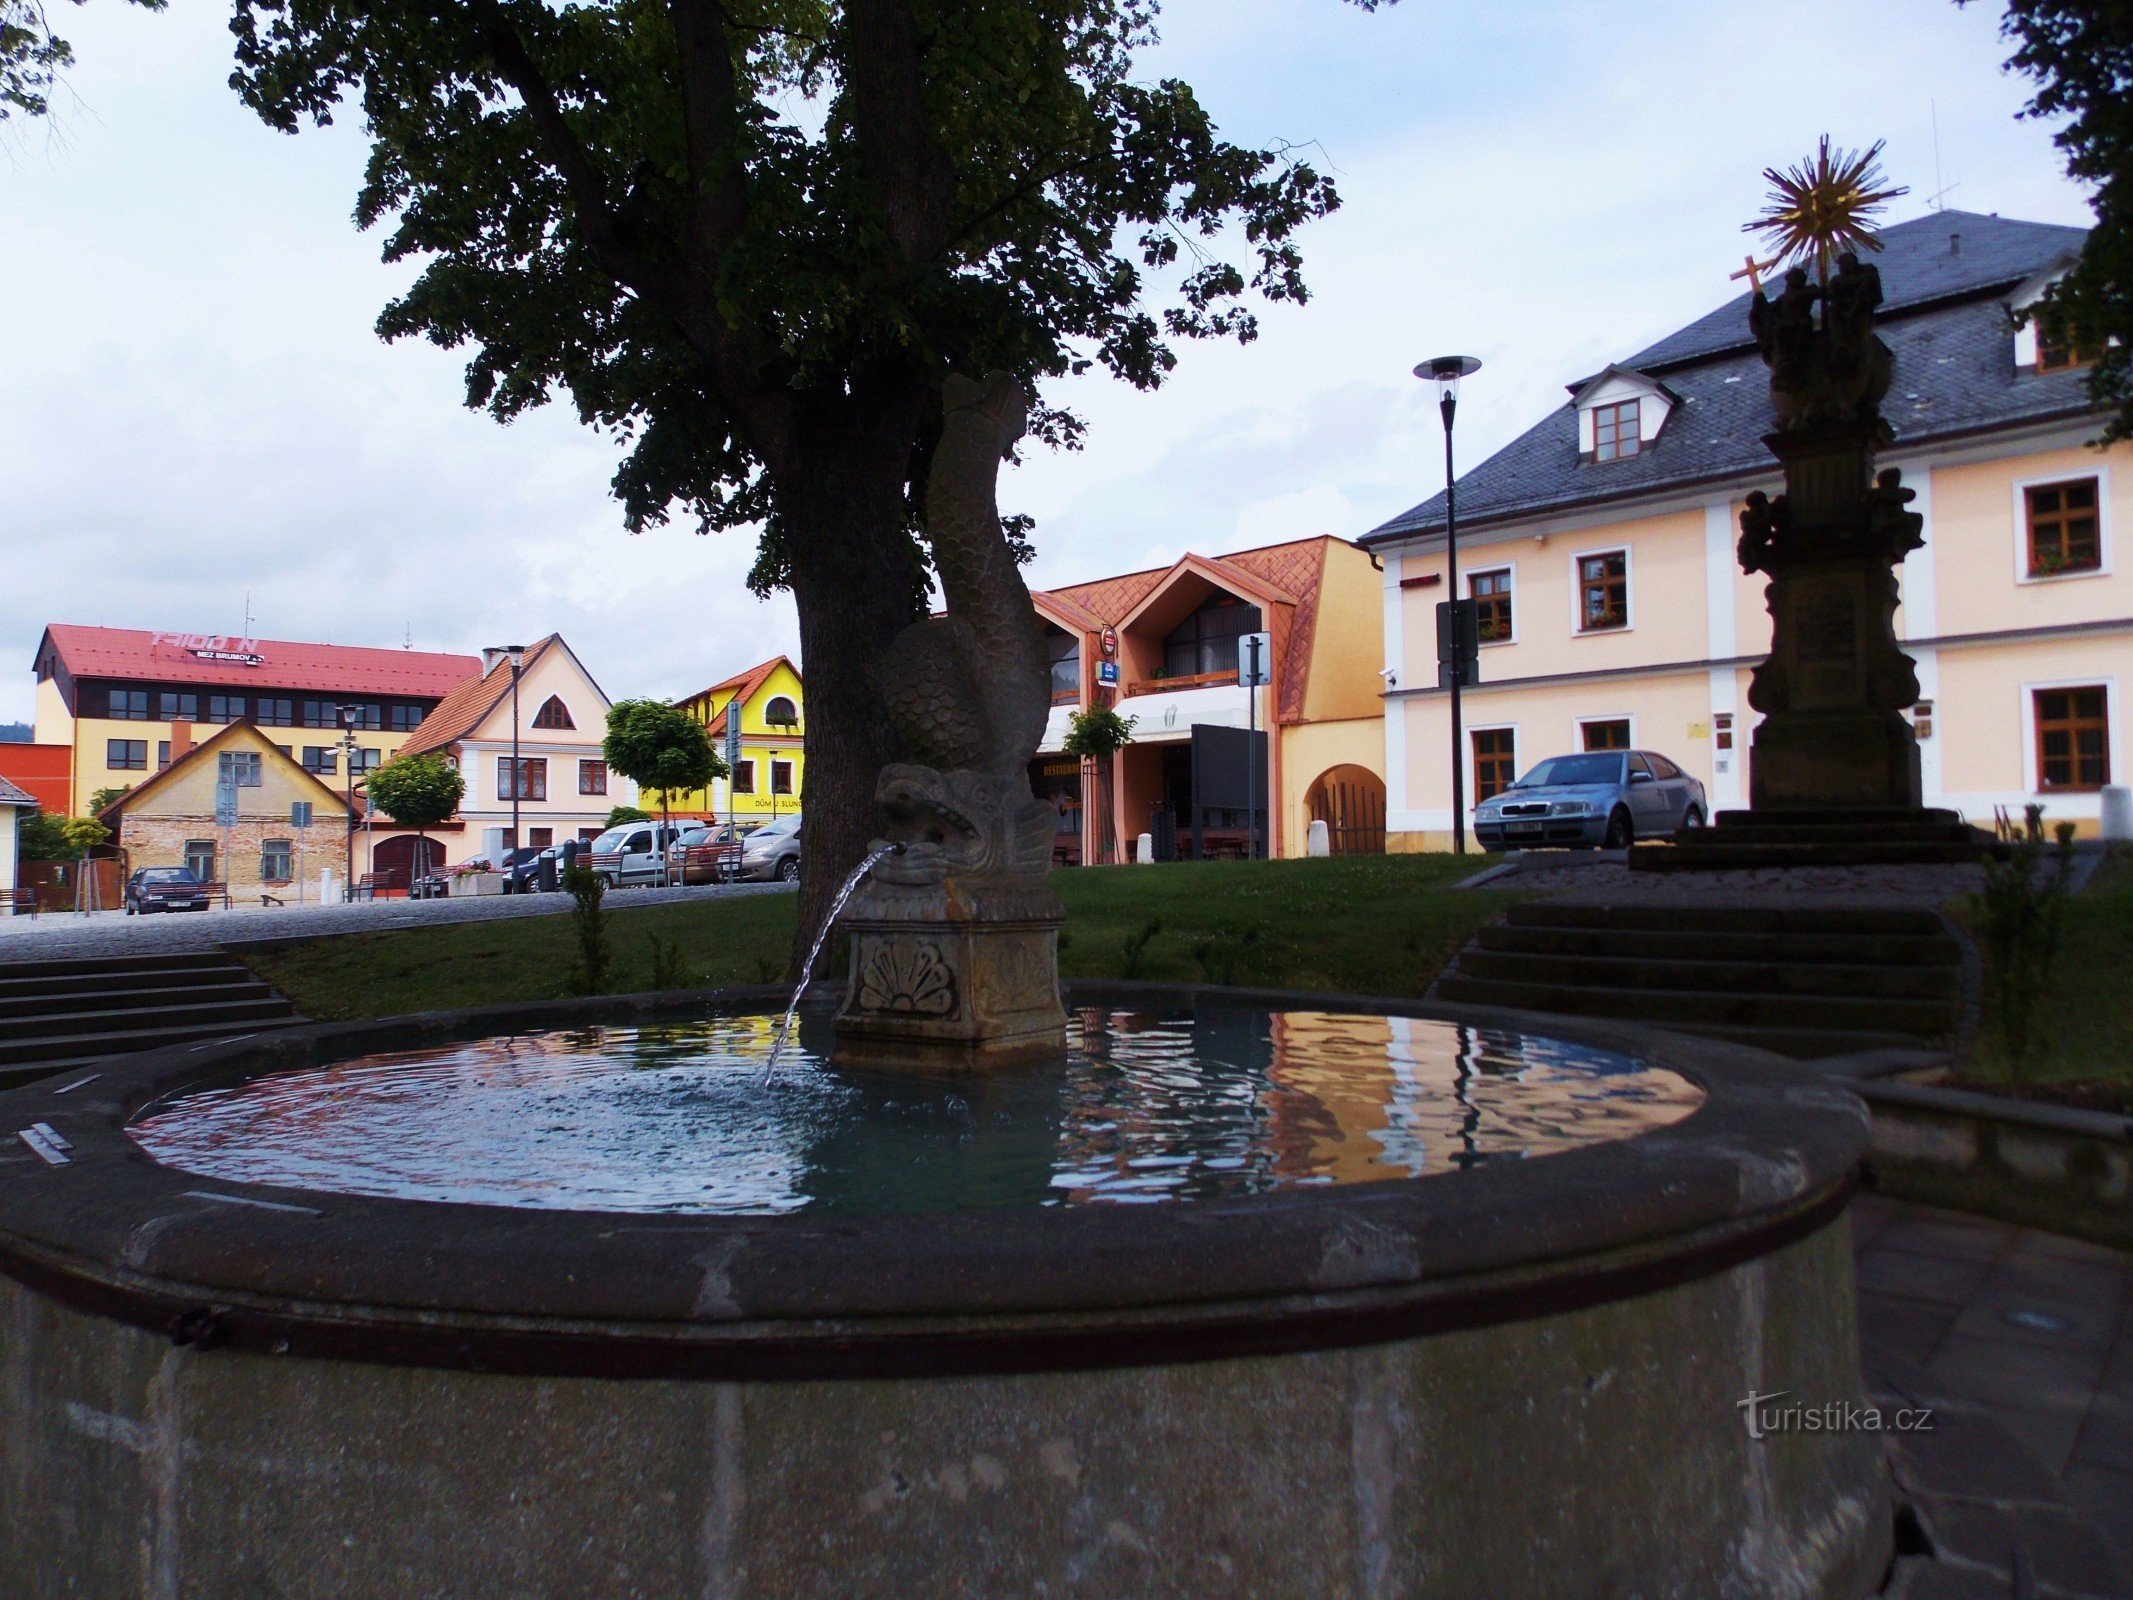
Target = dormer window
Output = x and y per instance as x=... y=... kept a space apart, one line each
x=1620 y=414
x=1614 y=430
x=2052 y=356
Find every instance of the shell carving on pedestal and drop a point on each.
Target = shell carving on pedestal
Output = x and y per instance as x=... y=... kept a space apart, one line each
x=907 y=977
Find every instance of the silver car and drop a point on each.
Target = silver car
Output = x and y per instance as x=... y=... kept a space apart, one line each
x=773 y=850
x=1609 y=798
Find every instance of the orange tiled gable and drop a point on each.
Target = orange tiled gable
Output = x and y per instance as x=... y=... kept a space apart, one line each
x=743 y=687
x=1294 y=570
x=460 y=712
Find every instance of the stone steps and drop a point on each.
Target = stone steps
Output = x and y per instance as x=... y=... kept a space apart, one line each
x=63 y=1015
x=1804 y=981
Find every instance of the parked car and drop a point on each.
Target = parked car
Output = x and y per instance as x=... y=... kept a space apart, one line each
x=629 y=854
x=773 y=850
x=522 y=867
x=1608 y=798
x=165 y=889
x=704 y=854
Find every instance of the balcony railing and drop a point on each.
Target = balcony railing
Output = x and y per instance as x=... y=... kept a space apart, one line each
x=1187 y=680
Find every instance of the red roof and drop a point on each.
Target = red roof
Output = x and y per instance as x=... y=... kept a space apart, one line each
x=190 y=658
x=471 y=700
x=743 y=686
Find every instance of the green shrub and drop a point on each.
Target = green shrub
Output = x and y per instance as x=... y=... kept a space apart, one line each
x=588 y=922
x=2023 y=913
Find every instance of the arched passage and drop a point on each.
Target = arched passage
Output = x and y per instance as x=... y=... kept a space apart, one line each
x=398 y=861
x=1350 y=801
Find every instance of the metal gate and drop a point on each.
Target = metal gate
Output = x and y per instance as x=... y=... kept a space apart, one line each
x=1354 y=815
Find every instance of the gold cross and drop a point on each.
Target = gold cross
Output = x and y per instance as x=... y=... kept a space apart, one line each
x=1753 y=271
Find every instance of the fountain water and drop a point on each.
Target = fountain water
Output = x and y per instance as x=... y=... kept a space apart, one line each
x=814 y=951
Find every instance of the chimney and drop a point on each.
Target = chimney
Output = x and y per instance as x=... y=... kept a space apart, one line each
x=181 y=739
x=1955 y=244
x=492 y=658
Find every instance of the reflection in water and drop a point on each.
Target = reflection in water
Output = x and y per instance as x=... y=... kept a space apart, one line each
x=1147 y=1106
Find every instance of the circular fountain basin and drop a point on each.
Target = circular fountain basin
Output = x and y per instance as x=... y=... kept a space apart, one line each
x=1268 y=1295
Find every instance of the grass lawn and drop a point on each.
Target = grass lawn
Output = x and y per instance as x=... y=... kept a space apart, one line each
x=2086 y=1020
x=1361 y=924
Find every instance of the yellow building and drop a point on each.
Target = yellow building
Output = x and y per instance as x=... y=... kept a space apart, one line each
x=284 y=825
x=1161 y=647
x=1599 y=549
x=771 y=774
x=128 y=702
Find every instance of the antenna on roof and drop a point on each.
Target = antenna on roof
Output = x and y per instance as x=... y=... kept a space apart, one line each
x=1940 y=189
x=407 y=636
x=248 y=616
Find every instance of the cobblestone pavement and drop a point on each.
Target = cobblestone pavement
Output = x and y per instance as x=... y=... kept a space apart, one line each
x=2023 y=1343
x=59 y=935
x=1609 y=879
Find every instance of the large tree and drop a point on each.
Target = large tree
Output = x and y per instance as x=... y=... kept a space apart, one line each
x=2080 y=54
x=751 y=237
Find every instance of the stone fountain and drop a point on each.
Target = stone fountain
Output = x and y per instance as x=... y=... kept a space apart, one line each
x=955 y=937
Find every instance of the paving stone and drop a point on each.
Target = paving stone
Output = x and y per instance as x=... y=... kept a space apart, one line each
x=1897 y=1325
x=1969 y=1453
x=1916 y=1578
x=1936 y=1278
x=2040 y=1396
x=2106 y=1438
x=2106 y=1497
x=1870 y=1218
x=1942 y=1233
x=2065 y=1549
x=2049 y=1322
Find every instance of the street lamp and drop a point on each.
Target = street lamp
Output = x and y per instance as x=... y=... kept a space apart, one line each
x=516 y=655
x=348 y=715
x=1445 y=372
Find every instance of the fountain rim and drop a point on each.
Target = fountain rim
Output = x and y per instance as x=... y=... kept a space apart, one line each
x=1768 y=1158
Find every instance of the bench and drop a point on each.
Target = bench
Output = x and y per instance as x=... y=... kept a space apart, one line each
x=217 y=891
x=267 y=899
x=16 y=899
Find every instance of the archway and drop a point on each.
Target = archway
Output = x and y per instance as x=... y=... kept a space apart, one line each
x=399 y=860
x=1350 y=801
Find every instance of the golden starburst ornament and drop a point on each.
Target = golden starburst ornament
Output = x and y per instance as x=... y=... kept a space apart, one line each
x=1824 y=206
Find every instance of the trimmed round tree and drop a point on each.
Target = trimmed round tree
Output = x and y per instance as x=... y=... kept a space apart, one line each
x=416 y=792
x=662 y=747
x=1097 y=735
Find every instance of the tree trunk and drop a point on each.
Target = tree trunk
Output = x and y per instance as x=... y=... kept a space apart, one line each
x=854 y=577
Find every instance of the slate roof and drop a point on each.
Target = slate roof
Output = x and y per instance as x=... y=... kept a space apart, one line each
x=1944 y=317
x=136 y=653
x=13 y=795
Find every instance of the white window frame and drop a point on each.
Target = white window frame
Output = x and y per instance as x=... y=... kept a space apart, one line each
x=2101 y=472
x=2032 y=778
x=1629 y=717
x=1578 y=630
x=1510 y=570
x=1473 y=766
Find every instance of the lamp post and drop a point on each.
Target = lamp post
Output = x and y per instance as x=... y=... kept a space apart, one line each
x=516 y=655
x=1445 y=372
x=347 y=715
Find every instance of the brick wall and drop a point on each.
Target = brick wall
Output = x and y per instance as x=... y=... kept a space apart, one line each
x=161 y=841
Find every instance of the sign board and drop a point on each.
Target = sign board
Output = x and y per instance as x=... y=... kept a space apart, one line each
x=225 y=802
x=1107 y=674
x=213 y=647
x=1255 y=659
x=1458 y=643
x=733 y=737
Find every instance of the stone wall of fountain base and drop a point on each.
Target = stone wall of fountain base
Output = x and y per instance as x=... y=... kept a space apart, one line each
x=1519 y=1381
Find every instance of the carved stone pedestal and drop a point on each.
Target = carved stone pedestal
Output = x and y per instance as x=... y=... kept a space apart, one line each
x=952 y=977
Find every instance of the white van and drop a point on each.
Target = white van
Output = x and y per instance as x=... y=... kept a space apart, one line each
x=630 y=855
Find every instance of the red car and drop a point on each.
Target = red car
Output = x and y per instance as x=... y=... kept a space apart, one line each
x=704 y=855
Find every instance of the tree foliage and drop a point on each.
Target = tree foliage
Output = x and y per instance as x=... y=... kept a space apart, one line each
x=1098 y=733
x=2080 y=56
x=417 y=791
x=32 y=56
x=104 y=796
x=46 y=836
x=659 y=746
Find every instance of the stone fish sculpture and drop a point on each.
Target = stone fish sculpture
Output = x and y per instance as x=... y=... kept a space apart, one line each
x=955 y=937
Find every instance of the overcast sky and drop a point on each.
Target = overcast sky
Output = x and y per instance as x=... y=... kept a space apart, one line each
x=193 y=406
